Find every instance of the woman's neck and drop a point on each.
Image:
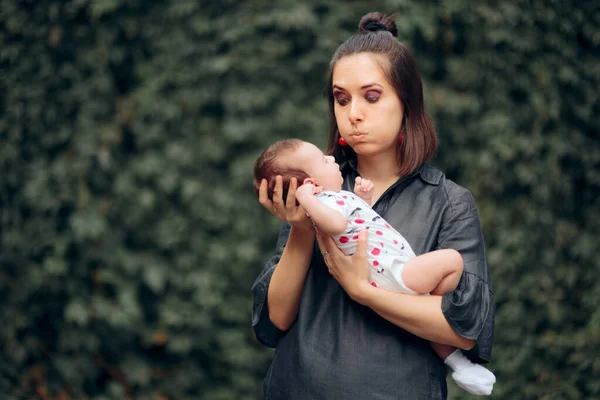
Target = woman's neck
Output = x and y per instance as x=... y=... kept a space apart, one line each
x=381 y=168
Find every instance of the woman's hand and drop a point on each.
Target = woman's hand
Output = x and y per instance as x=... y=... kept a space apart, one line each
x=288 y=210
x=352 y=272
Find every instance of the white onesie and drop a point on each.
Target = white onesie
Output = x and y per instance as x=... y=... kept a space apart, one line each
x=387 y=250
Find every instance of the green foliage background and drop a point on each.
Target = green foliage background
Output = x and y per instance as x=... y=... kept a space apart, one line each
x=129 y=231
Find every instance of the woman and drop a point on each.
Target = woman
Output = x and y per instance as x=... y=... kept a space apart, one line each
x=336 y=336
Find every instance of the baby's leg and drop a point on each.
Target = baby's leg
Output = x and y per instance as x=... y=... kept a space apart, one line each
x=442 y=350
x=473 y=378
x=436 y=272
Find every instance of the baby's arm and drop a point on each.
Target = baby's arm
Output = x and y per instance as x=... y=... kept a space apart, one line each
x=363 y=188
x=328 y=220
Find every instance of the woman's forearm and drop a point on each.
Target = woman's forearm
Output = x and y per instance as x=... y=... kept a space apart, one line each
x=285 y=289
x=420 y=315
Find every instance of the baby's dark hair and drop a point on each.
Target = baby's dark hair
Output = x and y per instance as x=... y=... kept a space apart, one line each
x=269 y=165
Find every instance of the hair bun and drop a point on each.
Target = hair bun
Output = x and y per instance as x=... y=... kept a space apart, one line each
x=375 y=26
x=376 y=21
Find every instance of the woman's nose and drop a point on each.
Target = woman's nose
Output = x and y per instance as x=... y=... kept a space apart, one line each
x=355 y=115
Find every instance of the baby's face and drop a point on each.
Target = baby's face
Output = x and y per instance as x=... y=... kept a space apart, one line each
x=323 y=169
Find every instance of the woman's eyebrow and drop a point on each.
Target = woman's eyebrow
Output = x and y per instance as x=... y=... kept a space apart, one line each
x=362 y=87
x=371 y=85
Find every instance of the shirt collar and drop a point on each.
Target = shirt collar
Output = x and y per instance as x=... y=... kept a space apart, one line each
x=426 y=172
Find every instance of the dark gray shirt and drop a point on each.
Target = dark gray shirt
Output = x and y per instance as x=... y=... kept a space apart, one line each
x=339 y=349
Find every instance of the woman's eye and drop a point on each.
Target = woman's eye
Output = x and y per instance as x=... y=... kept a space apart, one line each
x=341 y=99
x=372 y=96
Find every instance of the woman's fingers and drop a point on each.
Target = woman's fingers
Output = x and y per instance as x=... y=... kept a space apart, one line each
x=326 y=244
x=349 y=271
x=285 y=209
x=332 y=248
x=277 y=194
x=290 y=201
x=324 y=247
x=321 y=243
x=263 y=195
x=360 y=257
x=275 y=205
x=331 y=253
x=361 y=247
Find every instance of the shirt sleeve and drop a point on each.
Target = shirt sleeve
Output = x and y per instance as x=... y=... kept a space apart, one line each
x=469 y=309
x=266 y=332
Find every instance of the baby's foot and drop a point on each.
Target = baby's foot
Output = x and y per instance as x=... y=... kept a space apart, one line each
x=469 y=376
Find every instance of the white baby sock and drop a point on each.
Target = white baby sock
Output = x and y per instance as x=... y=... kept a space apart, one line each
x=472 y=377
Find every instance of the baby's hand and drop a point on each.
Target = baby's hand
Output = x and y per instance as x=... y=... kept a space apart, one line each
x=363 y=188
x=306 y=190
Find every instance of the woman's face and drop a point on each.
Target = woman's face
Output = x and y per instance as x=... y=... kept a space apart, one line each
x=367 y=109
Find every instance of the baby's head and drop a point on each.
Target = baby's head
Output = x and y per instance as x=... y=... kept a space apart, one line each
x=294 y=158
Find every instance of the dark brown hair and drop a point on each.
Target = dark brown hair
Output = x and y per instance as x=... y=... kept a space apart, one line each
x=269 y=165
x=377 y=35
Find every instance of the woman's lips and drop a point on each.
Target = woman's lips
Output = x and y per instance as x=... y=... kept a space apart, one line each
x=357 y=137
x=357 y=134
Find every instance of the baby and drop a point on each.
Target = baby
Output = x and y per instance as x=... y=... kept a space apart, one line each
x=342 y=214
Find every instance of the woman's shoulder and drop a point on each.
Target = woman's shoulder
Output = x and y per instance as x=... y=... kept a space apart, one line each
x=452 y=191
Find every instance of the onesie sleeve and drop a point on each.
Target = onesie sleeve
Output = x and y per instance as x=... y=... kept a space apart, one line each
x=266 y=332
x=469 y=308
x=335 y=201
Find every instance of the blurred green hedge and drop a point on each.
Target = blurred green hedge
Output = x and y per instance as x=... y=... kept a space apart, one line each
x=129 y=231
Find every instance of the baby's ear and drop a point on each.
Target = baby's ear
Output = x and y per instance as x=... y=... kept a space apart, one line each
x=309 y=180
